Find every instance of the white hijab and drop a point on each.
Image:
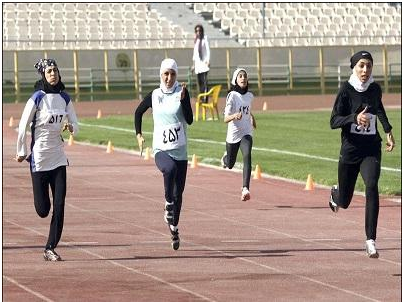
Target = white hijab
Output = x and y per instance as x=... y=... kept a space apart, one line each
x=357 y=84
x=168 y=64
x=234 y=78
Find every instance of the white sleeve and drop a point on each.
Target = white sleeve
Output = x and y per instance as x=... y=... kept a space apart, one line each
x=26 y=119
x=72 y=118
x=228 y=109
x=207 y=49
x=195 y=55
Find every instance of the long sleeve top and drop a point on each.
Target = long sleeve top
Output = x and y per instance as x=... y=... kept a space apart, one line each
x=46 y=113
x=357 y=142
x=237 y=129
x=201 y=64
x=170 y=118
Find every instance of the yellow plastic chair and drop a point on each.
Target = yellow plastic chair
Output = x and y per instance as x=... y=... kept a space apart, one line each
x=211 y=105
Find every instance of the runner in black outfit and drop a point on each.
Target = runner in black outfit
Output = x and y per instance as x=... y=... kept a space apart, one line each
x=357 y=107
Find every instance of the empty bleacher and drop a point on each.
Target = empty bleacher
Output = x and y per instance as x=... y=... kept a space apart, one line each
x=303 y=24
x=29 y=26
x=54 y=26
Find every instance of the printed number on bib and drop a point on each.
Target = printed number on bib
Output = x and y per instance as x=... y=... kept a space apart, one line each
x=369 y=130
x=169 y=137
x=55 y=120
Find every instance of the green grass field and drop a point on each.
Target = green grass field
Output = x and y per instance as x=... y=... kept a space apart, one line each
x=286 y=144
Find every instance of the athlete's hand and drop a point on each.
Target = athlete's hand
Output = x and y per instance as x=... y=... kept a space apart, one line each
x=184 y=85
x=253 y=122
x=238 y=115
x=68 y=126
x=140 y=141
x=20 y=158
x=390 y=144
x=363 y=118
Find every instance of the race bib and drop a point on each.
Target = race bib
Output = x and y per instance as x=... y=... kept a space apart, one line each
x=169 y=137
x=55 y=120
x=369 y=130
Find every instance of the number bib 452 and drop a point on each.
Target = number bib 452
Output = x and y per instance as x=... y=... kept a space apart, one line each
x=169 y=137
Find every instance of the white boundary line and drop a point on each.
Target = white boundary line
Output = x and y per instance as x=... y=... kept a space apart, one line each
x=69 y=244
x=237 y=222
x=396 y=200
x=37 y=294
x=285 y=152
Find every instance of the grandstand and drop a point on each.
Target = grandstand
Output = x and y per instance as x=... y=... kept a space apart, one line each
x=107 y=49
x=91 y=26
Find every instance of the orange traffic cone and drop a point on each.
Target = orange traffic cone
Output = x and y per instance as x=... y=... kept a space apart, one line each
x=309 y=183
x=11 y=122
x=194 y=163
x=71 y=140
x=147 y=154
x=264 y=106
x=99 y=114
x=257 y=172
x=110 y=147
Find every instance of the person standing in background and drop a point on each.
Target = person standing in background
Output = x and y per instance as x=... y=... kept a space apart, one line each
x=47 y=111
x=356 y=110
x=201 y=59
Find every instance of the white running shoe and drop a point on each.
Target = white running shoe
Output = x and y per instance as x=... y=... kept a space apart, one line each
x=245 y=194
x=175 y=238
x=371 y=249
x=51 y=255
x=334 y=207
x=169 y=213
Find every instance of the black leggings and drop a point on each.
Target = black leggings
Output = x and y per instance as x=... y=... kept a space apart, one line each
x=41 y=181
x=174 y=174
x=245 y=145
x=369 y=168
x=203 y=84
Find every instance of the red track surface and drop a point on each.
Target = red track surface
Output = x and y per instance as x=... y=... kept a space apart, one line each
x=283 y=245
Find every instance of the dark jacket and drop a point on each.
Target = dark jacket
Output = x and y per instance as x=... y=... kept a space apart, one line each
x=348 y=104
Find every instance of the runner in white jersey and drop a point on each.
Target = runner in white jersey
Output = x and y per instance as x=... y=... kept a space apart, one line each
x=171 y=113
x=49 y=111
x=238 y=116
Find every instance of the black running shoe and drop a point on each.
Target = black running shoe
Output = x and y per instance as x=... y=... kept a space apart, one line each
x=51 y=255
x=334 y=207
x=175 y=239
x=169 y=213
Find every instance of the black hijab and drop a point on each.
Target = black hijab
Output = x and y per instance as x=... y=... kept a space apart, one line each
x=44 y=85
x=238 y=89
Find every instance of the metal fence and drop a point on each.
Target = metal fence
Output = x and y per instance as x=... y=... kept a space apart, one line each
x=114 y=74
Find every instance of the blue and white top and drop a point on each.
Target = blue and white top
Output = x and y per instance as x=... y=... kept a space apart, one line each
x=46 y=113
x=170 y=118
x=237 y=129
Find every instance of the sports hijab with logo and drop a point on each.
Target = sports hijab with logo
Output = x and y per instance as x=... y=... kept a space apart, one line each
x=43 y=84
x=353 y=79
x=168 y=64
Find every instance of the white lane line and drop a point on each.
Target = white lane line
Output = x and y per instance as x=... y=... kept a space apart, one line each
x=80 y=243
x=204 y=141
x=322 y=240
x=175 y=286
x=145 y=198
x=241 y=241
x=237 y=222
x=248 y=260
x=29 y=290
